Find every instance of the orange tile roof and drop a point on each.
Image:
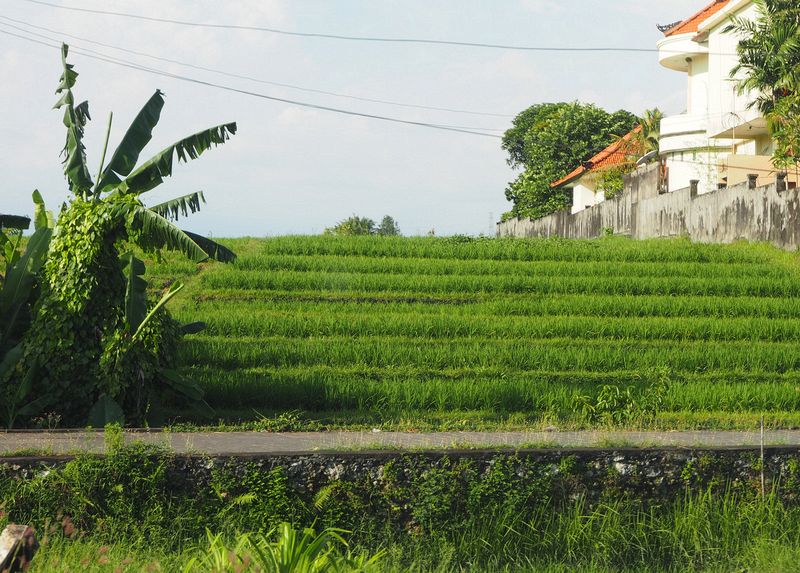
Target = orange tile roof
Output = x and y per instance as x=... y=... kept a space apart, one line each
x=693 y=23
x=617 y=153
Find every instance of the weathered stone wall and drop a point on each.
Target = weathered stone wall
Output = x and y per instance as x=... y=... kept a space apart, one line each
x=658 y=473
x=614 y=214
x=722 y=216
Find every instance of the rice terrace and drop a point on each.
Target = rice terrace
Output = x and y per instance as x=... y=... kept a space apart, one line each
x=605 y=379
x=469 y=333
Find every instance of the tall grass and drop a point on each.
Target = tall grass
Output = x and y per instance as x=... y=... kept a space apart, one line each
x=699 y=532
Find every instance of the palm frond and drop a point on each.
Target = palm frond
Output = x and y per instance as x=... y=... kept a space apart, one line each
x=18 y=222
x=180 y=205
x=134 y=141
x=152 y=231
x=152 y=172
x=75 y=119
x=20 y=280
x=214 y=249
x=182 y=385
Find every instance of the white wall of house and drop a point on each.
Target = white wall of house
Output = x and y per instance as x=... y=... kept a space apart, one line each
x=697 y=93
x=585 y=195
x=694 y=165
x=717 y=121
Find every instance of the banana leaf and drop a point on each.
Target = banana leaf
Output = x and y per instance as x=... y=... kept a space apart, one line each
x=152 y=172
x=134 y=141
x=135 y=291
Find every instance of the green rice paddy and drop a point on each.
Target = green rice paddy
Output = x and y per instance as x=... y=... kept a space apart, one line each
x=435 y=332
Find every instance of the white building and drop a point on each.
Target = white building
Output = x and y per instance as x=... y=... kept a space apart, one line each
x=719 y=139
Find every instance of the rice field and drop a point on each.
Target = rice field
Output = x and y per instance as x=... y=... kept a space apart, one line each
x=375 y=330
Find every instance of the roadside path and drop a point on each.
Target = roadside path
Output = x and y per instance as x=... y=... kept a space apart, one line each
x=224 y=443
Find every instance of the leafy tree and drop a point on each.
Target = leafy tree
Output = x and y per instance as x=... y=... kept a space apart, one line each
x=769 y=60
x=351 y=226
x=643 y=140
x=92 y=339
x=388 y=227
x=647 y=138
x=356 y=225
x=549 y=140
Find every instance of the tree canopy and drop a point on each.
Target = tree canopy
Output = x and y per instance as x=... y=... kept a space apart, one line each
x=356 y=225
x=549 y=140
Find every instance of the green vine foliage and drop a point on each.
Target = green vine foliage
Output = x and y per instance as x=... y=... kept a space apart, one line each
x=612 y=181
x=78 y=308
x=79 y=343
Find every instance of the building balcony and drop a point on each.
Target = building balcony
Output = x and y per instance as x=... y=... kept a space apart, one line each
x=738 y=125
x=683 y=132
x=673 y=51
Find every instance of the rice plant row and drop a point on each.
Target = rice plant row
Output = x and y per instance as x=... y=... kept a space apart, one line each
x=365 y=389
x=238 y=322
x=231 y=303
x=532 y=285
x=455 y=267
x=463 y=248
x=539 y=354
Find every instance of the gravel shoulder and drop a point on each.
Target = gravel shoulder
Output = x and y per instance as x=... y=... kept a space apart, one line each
x=253 y=443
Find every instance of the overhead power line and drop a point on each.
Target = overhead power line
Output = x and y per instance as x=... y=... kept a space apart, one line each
x=119 y=62
x=386 y=40
x=255 y=79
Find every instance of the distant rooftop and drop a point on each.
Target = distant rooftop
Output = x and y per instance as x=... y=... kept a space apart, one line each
x=692 y=23
x=617 y=153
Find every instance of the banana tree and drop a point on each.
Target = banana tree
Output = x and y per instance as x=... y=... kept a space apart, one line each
x=18 y=293
x=121 y=182
x=138 y=316
x=83 y=343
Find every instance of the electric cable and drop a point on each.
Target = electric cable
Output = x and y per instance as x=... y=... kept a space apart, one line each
x=116 y=61
x=251 y=78
x=397 y=40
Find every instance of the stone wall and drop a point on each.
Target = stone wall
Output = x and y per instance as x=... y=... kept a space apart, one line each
x=652 y=473
x=722 y=216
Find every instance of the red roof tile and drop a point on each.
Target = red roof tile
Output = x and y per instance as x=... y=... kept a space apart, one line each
x=617 y=153
x=692 y=24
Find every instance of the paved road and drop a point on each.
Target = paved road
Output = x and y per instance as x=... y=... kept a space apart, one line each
x=221 y=443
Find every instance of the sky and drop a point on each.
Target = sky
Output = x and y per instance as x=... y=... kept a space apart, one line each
x=296 y=170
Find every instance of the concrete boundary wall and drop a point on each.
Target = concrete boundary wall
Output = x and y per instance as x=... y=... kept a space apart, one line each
x=722 y=216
